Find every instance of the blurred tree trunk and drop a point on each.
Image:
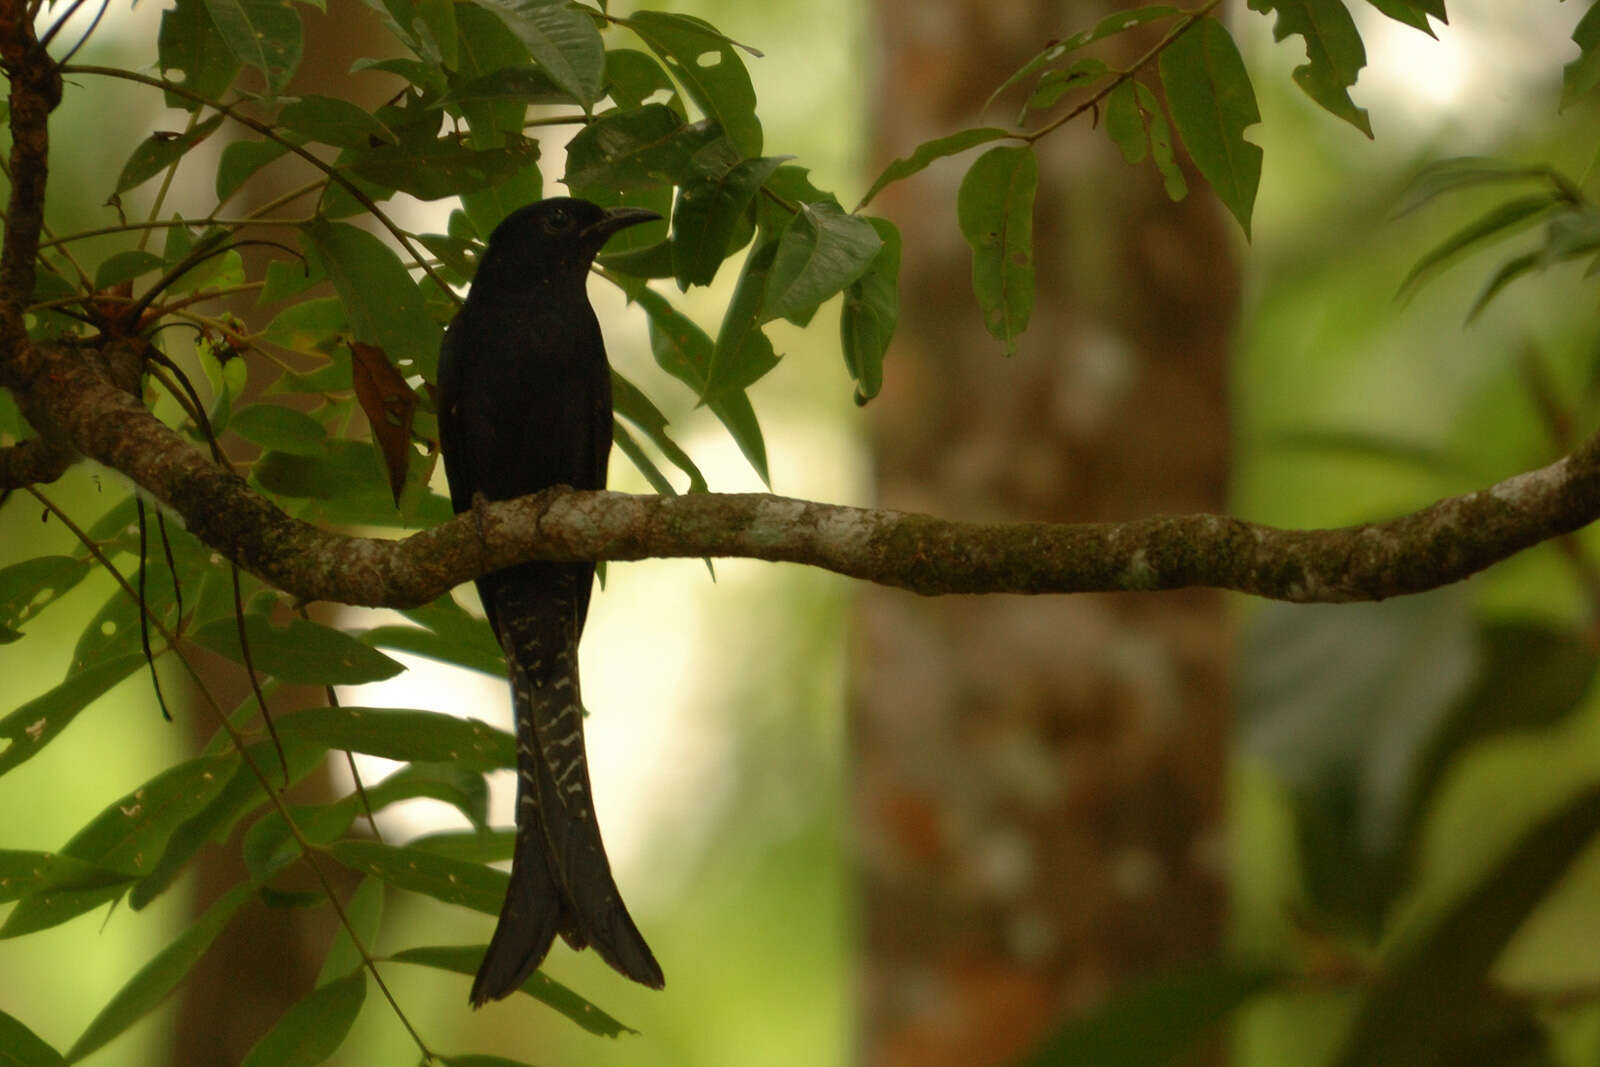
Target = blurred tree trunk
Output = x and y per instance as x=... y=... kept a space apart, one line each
x=1038 y=783
x=267 y=959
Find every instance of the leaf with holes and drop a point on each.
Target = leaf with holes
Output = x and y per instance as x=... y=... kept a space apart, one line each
x=1334 y=52
x=709 y=67
x=34 y=725
x=189 y=44
x=29 y=587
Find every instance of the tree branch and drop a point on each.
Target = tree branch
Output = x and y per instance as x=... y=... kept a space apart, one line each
x=1440 y=544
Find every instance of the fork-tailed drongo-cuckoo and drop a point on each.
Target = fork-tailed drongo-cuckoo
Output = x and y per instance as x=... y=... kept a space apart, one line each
x=525 y=404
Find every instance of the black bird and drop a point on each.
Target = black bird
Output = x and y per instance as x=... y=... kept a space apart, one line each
x=524 y=404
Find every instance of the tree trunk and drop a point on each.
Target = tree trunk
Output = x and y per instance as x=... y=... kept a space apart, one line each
x=1038 y=783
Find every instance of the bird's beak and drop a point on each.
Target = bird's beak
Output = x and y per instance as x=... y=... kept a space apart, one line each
x=619 y=218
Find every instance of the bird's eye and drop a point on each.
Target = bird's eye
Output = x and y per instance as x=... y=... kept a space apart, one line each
x=558 y=219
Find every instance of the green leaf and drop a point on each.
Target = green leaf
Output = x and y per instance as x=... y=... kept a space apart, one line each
x=310 y=326
x=629 y=151
x=29 y=587
x=473 y=846
x=1161 y=143
x=314 y=1028
x=331 y=120
x=463 y=788
x=1341 y=702
x=269 y=846
x=708 y=211
x=468 y=885
x=36 y=723
x=1428 y=987
x=820 y=253
x=265 y=34
x=1333 y=49
x=443 y=167
x=632 y=404
x=562 y=39
x=435 y=25
x=524 y=85
x=710 y=70
x=1413 y=13
x=1463 y=172
x=632 y=77
x=400 y=734
x=69 y=888
x=161 y=150
x=1504 y=220
x=1509 y=271
x=483 y=656
x=303 y=651
x=464 y=959
x=869 y=313
x=1583 y=74
x=21 y=1047
x=150 y=986
x=289 y=277
x=743 y=353
x=1530 y=676
x=1159 y=1019
x=189 y=45
x=24 y=872
x=995 y=208
x=738 y=417
x=1123 y=124
x=241 y=794
x=281 y=428
x=383 y=302
x=683 y=350
x=129 y=834
x=929 y=151
x=451 y=622
x=1054 y=84
x=1212 y=104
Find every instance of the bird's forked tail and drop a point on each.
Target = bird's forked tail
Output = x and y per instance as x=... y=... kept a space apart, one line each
x=561 y=880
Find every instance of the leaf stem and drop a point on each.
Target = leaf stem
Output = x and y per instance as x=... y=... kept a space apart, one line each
x=1189 y=21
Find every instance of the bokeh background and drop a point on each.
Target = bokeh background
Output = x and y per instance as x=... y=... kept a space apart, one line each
x=732 y=739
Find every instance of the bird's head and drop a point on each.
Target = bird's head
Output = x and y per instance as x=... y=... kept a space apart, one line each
x=560 y=231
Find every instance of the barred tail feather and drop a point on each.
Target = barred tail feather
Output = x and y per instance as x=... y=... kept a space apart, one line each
x=561 y=880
